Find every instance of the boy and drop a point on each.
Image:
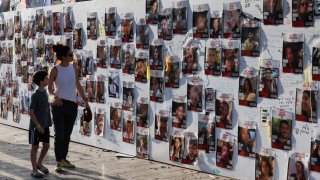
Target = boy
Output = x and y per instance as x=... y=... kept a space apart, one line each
x=39 y=124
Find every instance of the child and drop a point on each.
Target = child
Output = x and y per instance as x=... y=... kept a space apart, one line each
x=39 y=124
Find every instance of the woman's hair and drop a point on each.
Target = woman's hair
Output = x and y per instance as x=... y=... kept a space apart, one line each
x=302 y=165
x=249 y=83
x=61 y=50
x=268 y=164
x=312 y=97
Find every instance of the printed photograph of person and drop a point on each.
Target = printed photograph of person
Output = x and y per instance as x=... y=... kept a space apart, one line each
x=89 y=65
x=100 y=98
x=141 y=70
x=179 y=119
x=212 y=63
x=224 y=154
x=176 y=147
x=200 y=21
x=302 y=13
x=190 y=153
x=127 y=56
x=268 y=86
x=127 y=24
x=142 y=144
x=216 y=26
x=203 y=133
x=114 y=86
x=180 y=17
x=102 y=54
x=17 y=44
x=48 y=23
x=230 y=61
x=85 y=126
x=161 y=127
x=115 y=56
x=92 y=26
x=77 y=38
x=298 y=167
x=128 y=127
x=156 y=60
x=16 y=112
x=172 y=74
x=115 y=118
x=39 y=20
x=2 y=30
x=142 y=113
x=246 y=142
x=32 y=27
x=165 y=24
x=17 y=22
x=272 y=12
x=315 y=63
x=281 y=132
x=15 y=88
x=156 y=87
x=315 y=155
x=4 y=109
x=248 y=91
x=5 y=6
x=210 y=95
x=25 y=29
x=56 y=23
x=152 y=11
x=40 y=45
x=264 y=167
x=250 y=45
x=194 y=97
x=68 y=16
x=231 y=20
x=110 y=22
x=292 y=54
x=90 y=90
x=128 y=96
x=142 y=35
x=224 y=110
x=99 y=123
x=190 y=61
x=306 y=105
x=10 y=29
x=49 y=54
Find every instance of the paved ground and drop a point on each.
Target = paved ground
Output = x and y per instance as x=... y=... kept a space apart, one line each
x=92 y=163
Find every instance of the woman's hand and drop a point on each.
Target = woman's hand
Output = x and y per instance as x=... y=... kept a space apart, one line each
x=57 y=101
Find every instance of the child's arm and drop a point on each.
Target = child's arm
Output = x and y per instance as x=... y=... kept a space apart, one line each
x=35 y=121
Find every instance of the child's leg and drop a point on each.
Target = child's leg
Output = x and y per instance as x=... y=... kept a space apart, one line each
x=43 y=153
x=33 y=156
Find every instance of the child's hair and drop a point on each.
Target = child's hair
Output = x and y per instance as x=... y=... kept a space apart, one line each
x=39 y=76
x=61 y=50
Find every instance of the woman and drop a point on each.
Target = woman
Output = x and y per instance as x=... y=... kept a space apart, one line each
x=248 y=91
x=308 y=104
x=190 y=60
x=266 y=170
x=156 y=56
x=64 y=86
x=299 y=175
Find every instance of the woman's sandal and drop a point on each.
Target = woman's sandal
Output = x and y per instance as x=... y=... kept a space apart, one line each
x=36 y=175
x=43 y=169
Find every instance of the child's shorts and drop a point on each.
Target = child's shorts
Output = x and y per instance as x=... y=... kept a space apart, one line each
x=35 y=136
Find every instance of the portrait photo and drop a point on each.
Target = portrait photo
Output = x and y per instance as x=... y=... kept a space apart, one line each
x=172 y=75
x=292 y=53
x=179 y=113
x=190 y=60
x=180 y=17
x=248 y=91
x=306 y=105
x=156 y=88
x=194 y=94
x=142 y=113
x=110 y=22
x=224 y=155
x=268 y=82
x=152 y=11
x=264 y=167
x=281 y=131
x=200 y=26
x=161 y=126
x=115 y=117
x=272 y=12
x=302 y=13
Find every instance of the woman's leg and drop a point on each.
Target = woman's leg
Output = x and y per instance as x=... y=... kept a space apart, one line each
x=59 y=129
x=70 y=117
